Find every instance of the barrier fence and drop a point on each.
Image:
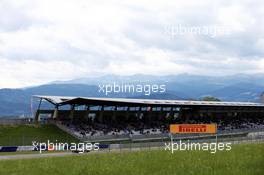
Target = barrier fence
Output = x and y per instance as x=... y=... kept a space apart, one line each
x=145 y=145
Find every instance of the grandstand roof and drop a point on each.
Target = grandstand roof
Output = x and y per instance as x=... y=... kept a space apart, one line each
x=64 y=100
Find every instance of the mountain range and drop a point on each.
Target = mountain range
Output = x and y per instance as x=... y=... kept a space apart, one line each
x=239 y=87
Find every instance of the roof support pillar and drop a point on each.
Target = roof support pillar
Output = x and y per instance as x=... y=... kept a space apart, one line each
x=114 y=113
x=37 y=112
x=72 y=112
x=161 y=113
x=127 y=112
x=56 y=111
x=171 y=113
x=149 y=113
x=87 y=112
x=139 y=112
x=101 y=114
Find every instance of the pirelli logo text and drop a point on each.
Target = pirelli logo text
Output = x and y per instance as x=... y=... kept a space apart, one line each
x=193 y=128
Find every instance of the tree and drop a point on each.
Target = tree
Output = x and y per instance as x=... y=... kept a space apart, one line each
x=210 y=98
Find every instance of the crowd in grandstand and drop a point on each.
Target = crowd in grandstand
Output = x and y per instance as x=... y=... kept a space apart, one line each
x=88 y=129
x=99 y=129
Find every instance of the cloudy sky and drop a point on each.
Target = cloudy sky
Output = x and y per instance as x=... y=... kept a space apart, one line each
x=47 y=40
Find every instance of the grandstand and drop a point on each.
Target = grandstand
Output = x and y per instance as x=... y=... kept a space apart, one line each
x=124 y=118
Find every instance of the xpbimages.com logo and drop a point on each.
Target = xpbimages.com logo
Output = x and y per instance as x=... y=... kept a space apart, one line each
x=192 y=146
x=57 y=146
x=147 y=89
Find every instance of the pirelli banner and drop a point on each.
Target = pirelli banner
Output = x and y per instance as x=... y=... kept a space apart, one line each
x=193 y=128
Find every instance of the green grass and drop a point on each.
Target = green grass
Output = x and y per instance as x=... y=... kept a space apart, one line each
x=244 y=159
x=18 y=135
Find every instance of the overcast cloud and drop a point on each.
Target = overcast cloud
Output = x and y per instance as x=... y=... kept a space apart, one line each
x=43 y=41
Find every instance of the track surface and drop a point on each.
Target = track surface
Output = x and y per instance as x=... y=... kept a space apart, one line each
x=30 y=156
x=61 y=154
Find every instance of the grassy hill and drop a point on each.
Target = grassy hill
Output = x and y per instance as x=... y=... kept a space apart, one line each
x=19 y=135
x=244 y=159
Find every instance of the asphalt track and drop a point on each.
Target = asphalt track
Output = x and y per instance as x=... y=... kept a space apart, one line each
x=32 y=156
x=62 y=154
